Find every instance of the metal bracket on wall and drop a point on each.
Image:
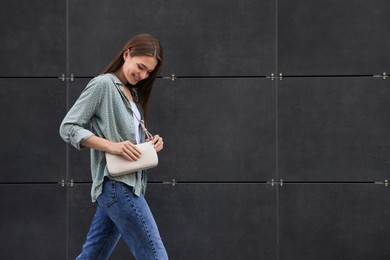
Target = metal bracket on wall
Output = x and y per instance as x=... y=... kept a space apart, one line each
x=273 y=77
x=66 y=78
x=277 y=183
x=64 y=183
x=172 y=77
x=386 y=183
x=383 y=76
x=173 y=182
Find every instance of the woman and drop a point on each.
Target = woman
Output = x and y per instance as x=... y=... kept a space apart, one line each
x=107 y=104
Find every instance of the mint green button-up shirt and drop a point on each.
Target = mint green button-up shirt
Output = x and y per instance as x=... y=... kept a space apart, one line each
x=109 y=115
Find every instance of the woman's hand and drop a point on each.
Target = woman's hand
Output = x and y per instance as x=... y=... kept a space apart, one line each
x=158 y=143
x=126 y=149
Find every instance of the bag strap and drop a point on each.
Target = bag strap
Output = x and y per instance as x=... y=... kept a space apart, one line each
x=142 y=123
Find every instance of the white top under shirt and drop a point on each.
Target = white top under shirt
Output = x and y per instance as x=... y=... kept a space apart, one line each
x=136 y=115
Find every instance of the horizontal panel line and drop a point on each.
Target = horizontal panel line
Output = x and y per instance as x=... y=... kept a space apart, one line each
x=205 y=182
x=330 y=76
x=194 y=182
x=188 y=77
x=330 y=182
x=29 y=77
x=251 y=76
x=271 y=182
x=215 y=77
x=275 y=77
x=213 y=182
x=29 y=183
x=254 y=182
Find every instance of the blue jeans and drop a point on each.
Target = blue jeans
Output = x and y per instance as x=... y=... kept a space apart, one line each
x=121 y=213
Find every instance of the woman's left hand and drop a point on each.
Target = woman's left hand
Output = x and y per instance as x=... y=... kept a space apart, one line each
x=158 y=143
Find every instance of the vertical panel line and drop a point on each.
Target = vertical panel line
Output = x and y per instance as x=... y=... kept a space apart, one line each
x=277 y=209
x=67 y=109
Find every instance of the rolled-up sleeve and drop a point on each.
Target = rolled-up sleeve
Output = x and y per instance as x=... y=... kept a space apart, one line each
x=72 y=128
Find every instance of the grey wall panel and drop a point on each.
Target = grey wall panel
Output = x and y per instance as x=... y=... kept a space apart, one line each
x=215 y=129
x=81 y=211
x=33 y=38
x=33 y=221
x=30 y=113
x=337 y=221
x=215 y=221
x=334 y=129
x=200 y=38
x=196 y=221
x=79 y=165
x=331 y=37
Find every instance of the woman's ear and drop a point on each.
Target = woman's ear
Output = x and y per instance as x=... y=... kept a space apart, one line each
x=126 y=54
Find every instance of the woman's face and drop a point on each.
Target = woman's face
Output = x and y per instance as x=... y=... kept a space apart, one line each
x=137 y=68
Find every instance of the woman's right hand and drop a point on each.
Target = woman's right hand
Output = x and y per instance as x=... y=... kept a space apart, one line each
x=126 y=149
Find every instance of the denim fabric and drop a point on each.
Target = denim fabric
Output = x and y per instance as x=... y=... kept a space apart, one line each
x=120 y=213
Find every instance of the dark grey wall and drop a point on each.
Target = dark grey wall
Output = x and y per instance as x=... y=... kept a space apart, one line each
x=276 y=126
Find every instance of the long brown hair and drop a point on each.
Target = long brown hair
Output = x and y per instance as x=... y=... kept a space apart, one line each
x=140 y=45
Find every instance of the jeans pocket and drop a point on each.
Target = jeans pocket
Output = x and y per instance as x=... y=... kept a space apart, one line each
x=108 y=196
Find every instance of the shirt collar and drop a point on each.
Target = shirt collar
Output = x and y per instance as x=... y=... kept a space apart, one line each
x=116 y=80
